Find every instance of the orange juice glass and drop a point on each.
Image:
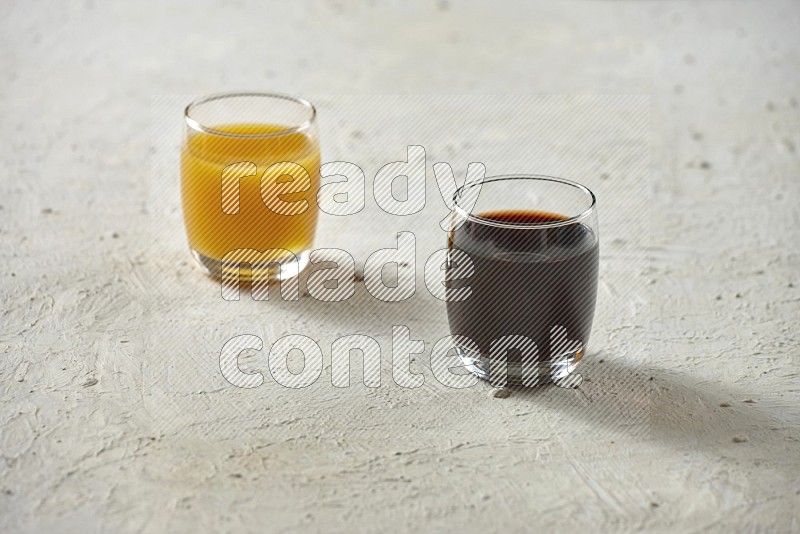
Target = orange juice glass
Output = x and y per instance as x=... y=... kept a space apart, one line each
x=249 y=180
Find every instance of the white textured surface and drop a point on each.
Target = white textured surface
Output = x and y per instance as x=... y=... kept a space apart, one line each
x=113 y=413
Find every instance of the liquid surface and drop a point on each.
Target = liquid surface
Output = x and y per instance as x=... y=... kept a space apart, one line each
x=210 y=230
x=522 y=216
x=526 y=280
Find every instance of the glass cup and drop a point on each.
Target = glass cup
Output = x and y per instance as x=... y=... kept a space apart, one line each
x=249 y=179
x=521 y=277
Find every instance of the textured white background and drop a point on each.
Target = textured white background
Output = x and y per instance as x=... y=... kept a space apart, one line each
x=113 y=413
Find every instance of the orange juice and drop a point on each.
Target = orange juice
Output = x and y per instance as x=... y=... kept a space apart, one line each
x=258 y=214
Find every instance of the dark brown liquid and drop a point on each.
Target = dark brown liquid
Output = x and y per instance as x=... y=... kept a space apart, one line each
x=526 y=280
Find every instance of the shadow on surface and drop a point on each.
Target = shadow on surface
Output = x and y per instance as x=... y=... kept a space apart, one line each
x=616 y=397
x=669 y=407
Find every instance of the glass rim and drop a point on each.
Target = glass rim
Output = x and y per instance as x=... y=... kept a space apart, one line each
x=526 y=226
x=196 y=125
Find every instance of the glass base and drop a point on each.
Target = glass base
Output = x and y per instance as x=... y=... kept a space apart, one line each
x=558 y=371
x=289 y=267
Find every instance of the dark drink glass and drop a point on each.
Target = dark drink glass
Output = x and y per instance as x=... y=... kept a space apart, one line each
x=533 y=245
